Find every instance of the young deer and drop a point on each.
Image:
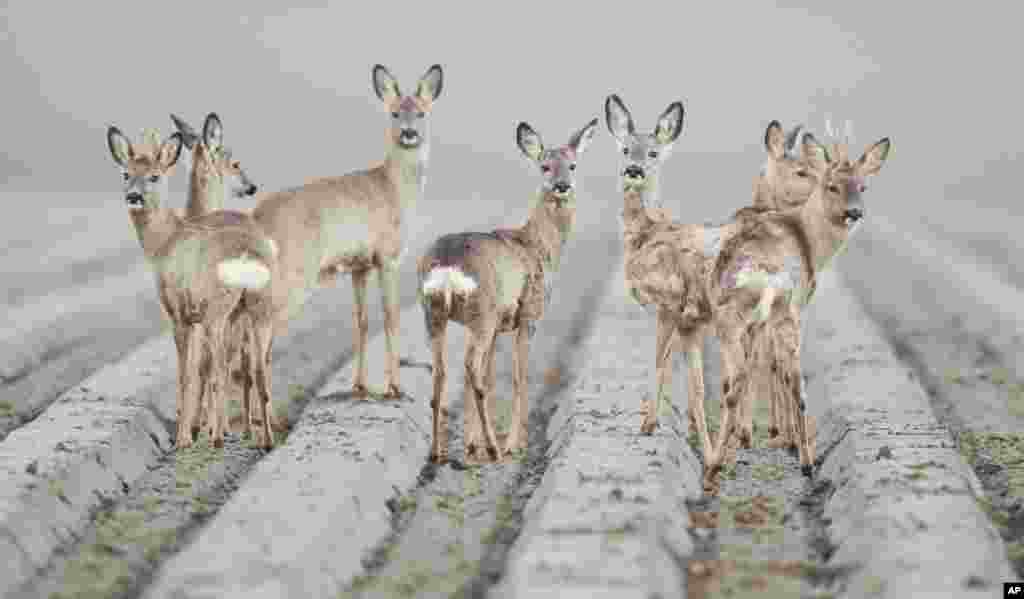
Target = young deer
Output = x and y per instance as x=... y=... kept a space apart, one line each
x=354 y=223
x=204 y=269
x=498 y=282
x=667 y=263
x=783 y=182
x=216 y=173
x=766 y=271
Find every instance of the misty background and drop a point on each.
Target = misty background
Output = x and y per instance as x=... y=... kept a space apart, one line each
x=292 y=86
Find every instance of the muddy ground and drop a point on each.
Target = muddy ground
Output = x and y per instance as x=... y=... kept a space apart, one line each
x=453 y=530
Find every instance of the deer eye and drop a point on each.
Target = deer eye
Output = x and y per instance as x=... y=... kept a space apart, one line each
x=395 y=114
x=802 y=174
x=652 y=154
x=236 y=165
x=572 y=166
x=545 y=168
x=625 y=151
x=154 y=178
x=420 y=115
x=127 y=176
x=833 y=188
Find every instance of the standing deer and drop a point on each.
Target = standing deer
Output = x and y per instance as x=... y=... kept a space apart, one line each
x=354 y=223
x=767 y=270
x=205 y=268
x=213 y=167
x=668 y=264
x=498 y=282
x=783 y=182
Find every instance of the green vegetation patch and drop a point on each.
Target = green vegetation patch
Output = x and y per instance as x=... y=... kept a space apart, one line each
x=99 y=571
x=6 y=408
x=1005 y=449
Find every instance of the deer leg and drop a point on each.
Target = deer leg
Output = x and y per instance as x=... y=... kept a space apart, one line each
x=480 y=343
x=794 y=380
x=360 y=332
x=649 y=407
x=691 y=343
x=263 y=341
x=734 y=365
x=192 y=392
x=181 y=342
x=247 y=385
x=439 y=404
x=388 y=277
x=518 y=435
x=757 y=389
x=219 y=373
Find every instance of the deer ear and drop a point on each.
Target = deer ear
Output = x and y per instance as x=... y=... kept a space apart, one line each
x=775 y=140
x=670 y=124
x=792 y=147
x=617 y=118
x=582 y=138
x=815 y=153
x=213 y=132
x=430 y=84
x=119 y=145
x=385 y=85
x=170 y=151
x=529 y=142
x=872 y=160
x=188 y=134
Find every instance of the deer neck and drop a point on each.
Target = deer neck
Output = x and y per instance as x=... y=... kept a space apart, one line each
x=636 y=204
x=544 y=236
x=764 y=194
x=155 y=228
x=407 y=171
x=205 y=193
x=825 y=239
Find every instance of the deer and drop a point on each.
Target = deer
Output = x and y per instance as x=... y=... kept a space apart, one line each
x=494 y=283
x=667 y=263
x=766 y=271
x=204 y=269
x=783 y=182
x=354 y=223
x=213 y=166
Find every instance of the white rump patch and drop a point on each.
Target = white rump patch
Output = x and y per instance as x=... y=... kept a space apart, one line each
x=448 y=280
x=243 y=273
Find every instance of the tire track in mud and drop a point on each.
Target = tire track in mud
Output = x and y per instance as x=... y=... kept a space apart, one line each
x=452 y=533
x=962 y=341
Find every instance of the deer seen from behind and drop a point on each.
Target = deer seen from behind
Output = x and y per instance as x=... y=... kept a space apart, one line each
x=493 y=283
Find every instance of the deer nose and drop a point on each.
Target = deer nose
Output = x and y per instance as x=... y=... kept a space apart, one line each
x=561 y=187
x=134 y=198
x=409 y=134
x=854 y=214
x=251 y=189
x=634 y=172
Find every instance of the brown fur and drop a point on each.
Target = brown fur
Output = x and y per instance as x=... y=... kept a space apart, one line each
x=813 y=232
x=211 y=167
x=523 y=257
x=185 y=255
x=313 y=223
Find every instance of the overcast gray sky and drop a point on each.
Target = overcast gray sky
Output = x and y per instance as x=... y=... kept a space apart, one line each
x=292 y=86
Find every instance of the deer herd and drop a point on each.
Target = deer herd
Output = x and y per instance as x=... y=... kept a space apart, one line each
x=229 y=281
